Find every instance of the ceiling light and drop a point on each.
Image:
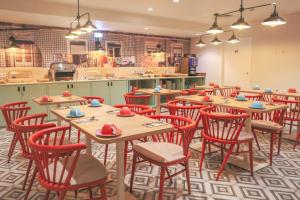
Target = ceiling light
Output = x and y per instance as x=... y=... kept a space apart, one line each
x=200 y=43
x=214 y=29
x=78 y=30
x=233 y=39
x=176 y=1
x=12 y=43
x=241 y=24
x=216 y=41
x=71 y=36
x=146 y=28
x=274 y=19
x=89 y=27
x=150 y=9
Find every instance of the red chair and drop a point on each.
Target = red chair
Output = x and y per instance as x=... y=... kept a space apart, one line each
x=292 y=116
x=254 y=97
x=224 y=129
x=24 y=127
x=134 y=98
x=61 y=167
x=269 y=122
x=90 y=98
x=229 y=91
x=138 y=109
x=209 y=91
x=11 y=112
x=189 y=92
x=167 y=149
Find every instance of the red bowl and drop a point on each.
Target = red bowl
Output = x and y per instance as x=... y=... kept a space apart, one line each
x=125 y=111
x=206 y=98
x=45 y=98
x=67 y=93
x=108 y=129
x=292 y=90
x=202 y=93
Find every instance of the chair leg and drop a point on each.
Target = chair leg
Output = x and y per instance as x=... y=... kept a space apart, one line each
x=31 y=183
x=225 y=161
x=12 y=147
x=187 y=172
x=297 y=140
x=256 y=140
x=251 y=157
x=62 y=195
x=47 y=195
x=271 y=149
x=202 y=155
x=279 y=142
x=27 y=173
x=105 y=154
x=132 y=171
x=90 y=193
x=103 y=192
x=161 y=182
x=168 y=173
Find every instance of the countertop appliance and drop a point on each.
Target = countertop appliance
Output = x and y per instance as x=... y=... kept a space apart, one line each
x=189 y=64
x=62 y=71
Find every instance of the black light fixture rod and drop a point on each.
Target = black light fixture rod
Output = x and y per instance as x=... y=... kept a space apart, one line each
x=248 y=8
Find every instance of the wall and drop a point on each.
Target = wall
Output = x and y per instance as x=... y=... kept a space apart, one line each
x=51 y=42
x=274 y=55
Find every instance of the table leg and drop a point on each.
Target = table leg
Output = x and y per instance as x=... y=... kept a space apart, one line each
x=58 y=119
x=157 y=104
x=120 y=170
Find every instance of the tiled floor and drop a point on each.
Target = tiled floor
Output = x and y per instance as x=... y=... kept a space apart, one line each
x=279 y=182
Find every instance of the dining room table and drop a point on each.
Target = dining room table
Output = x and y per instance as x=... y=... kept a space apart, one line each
x=158 y=95
x=132 y=128
x=233 y=103
x=58 y=101
x=214 y=89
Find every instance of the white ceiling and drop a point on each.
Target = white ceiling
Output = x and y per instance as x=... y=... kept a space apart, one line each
x=185 y=18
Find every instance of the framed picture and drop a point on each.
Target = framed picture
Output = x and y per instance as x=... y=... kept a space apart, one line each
x=77 y=47
x=113 y=48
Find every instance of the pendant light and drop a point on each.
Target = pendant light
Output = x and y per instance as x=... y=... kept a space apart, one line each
x=71 y=36
x=216 y=41
x=233 y=39
x=89 y=26
x=200 y=43
x=274 y=19
x=12 y=44
x=241 y=24
x=215 y=29
x=78 y=31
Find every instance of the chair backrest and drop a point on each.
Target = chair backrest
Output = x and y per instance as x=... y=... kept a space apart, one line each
x=13 y=111
x=228 y=92
x=54 y=159
x=293 y=111
x=138 y=109
x=183 y=133
x=133 y=98
x=209 y=91
x=90 y=98
x=25 y=126
x=222 y=127
x=185 y=109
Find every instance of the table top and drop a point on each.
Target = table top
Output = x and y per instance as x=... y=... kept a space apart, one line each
x=131 y=127
x=212 y=87
x=59 y=99
x=232 y=103
x=162 y=91
x=279 y=93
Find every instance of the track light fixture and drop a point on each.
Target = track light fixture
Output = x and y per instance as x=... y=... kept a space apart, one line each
x=216 y=41
x=241 y=24
x=79 y=30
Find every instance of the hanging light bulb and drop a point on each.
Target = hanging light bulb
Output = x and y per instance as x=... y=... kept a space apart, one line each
x=216 y=41
x=274 y=19
x=241 y=24
x=77 y=30
x=214 y=29
x=71 y=36
x=89 y=26
x=233 y=39
x=200 y=43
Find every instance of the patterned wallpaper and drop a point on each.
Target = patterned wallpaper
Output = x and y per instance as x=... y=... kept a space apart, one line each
x=51 y=42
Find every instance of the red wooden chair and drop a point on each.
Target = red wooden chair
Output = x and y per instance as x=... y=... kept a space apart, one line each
x=90 y=98
x=254 y=97
x=61 y=167
x=209 y=91
x=292 y=116
x=167 y=149
x=11 y=112
x=224 y=129
x=134 y=98
x=189 y=92
x=272 y=123
x=24 y=127
x=228 y=92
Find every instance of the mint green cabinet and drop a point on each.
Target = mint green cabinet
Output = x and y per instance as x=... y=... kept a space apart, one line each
x=102 y=89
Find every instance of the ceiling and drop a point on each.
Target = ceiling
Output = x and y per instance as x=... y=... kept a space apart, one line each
x=186 y=18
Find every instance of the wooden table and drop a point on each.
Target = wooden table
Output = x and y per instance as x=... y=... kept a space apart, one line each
x=130 y=131
x=58 y=101
x=204 y=87
x=163 y=92
x=252 y=91
x=240 y=105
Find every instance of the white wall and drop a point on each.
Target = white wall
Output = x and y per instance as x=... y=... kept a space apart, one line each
x=274 y=56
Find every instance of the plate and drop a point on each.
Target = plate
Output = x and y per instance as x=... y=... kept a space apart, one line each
x=95 y=106
x=77 y=116
x=129 y=115
x=257 y=108
x=242 y=99
x=99 y=134
x=50 y=100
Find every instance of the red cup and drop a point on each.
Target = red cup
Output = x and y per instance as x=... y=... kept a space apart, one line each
x=292 y=90
x=202 y=93
x=67 y=93
x=206 y=98
x=108 y=129
x=125 y=111
x=45 y=98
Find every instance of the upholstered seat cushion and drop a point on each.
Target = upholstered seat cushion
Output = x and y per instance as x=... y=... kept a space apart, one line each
x=160 y=151
x=261 y=124
x=88 y=169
